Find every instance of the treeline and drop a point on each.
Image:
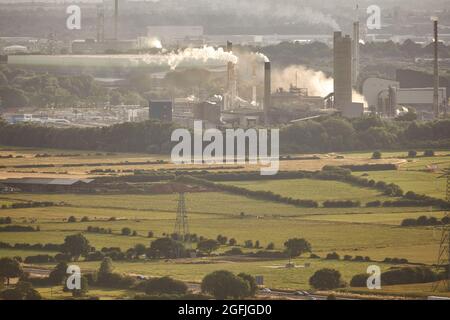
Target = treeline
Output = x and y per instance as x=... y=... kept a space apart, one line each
x=13 y=228
x=320 y=135
x=21 y=87
x=407 y=275
x=261 y=195
x=338 y=134
x=148 y=136
x=425 y=221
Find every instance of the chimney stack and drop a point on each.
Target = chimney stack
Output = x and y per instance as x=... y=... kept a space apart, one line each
x=342 y=70
x=231 y=80
x=355 y=53
x=267 y=90
x=116 y=20
x=436 y=70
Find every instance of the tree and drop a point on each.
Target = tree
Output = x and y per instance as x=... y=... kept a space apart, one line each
x=232 y=242
x=296 y=247
x=253 y=287
x=166 y=247
x=126 y=231
x=72 y=219
x=139 y=249
x=326 y=279
x=84 y=288
x=165 y=285
x=10 y=268
x=22 y=291
x=208 y=245
x=428 y=153
x=13 y=98
x=224 y=284
x=58 y=274
x=76 y=245
x=270 y=246
x=106 y=267
x=412 y=154
x=376 y=155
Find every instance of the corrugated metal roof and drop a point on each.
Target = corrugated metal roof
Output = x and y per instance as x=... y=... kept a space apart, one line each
x=46 y=181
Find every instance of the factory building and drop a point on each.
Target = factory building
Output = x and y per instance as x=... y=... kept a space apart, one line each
x=342 y=66
x=161 y=110
x=386 y=96
x=49 y=184
x=296 y=99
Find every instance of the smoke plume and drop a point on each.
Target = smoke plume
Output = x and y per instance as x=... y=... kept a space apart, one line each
x=317 y=82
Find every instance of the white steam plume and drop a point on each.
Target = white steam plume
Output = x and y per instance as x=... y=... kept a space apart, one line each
x=174 y=59
x=317 y=82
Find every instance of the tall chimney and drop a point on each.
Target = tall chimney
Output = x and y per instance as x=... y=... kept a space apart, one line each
x=100 y=23
x=267 y=91
x=254 y=83
x=342 y=71
x=436 y=70
x=231 y=80
x=355 y=53
x=116 y=19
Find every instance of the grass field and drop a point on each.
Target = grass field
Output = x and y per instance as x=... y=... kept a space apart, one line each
x=318 y=190
x=359 y=230
x=373 y=232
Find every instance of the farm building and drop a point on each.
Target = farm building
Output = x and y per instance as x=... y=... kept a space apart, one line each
x=49 y=184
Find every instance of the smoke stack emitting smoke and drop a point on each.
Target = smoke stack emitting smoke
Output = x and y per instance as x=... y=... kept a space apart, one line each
x=317 y=82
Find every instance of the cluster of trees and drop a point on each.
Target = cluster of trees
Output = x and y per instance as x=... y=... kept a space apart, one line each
x=6 y=220
x=406 y=275
x=338 y=134
x=14 y=228
x=36 y=246
x=425 y=221
x=27 y=88
x=326 y=279
x=320 y=135
x=223 y=284
x=147 y=136
x=265 y=195
x=29 y=204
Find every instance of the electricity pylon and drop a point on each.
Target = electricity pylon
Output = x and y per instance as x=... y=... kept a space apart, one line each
x=182 y=224
x=443 y=262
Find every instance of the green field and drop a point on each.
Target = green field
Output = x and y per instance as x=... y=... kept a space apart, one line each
x=373 y=232
x=318 y=190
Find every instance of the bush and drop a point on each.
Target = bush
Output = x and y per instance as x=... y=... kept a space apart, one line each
x=41 y=258
x=15 y=228
x=326 y=279
x=164 y=285
x=359 y=280
x=408 y=275
x=376 y=155
x=428 y=153
x=332 y=256
x=72 y=219
x=224 y=284
x=412 y=154
x=126 y=231
x=234 y=252
x=253 y=287
x=22 y=291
